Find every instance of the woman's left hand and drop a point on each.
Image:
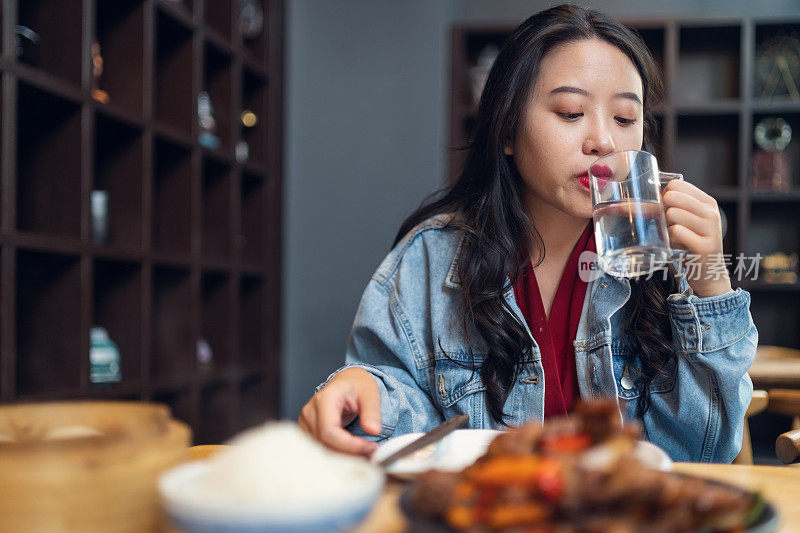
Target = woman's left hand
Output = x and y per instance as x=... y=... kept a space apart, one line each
x=694 y=223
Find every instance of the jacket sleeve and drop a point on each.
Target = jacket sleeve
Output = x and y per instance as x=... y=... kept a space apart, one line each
x=702 y=417
x=382 y=343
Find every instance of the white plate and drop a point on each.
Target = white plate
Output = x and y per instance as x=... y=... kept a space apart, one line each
x=653 y=456
x=462 y=447
x=453 y=453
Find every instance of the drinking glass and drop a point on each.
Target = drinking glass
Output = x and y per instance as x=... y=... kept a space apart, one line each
x=630 y=228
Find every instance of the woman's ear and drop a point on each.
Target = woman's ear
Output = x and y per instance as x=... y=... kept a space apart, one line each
x=508 y=148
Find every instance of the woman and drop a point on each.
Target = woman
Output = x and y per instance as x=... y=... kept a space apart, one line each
x=479 y=308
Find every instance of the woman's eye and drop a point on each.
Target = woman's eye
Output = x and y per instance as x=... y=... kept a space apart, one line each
x=625 y=121
x=570 y=116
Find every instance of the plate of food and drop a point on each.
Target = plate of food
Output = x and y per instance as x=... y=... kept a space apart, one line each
x=577 y=475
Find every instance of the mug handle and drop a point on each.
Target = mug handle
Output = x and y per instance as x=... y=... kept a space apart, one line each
x=664 y=178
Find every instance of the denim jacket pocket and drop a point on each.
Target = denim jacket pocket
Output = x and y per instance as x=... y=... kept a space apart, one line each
x=628 y=374
x=456 y=376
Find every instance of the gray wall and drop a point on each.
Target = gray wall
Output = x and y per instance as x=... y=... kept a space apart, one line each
x=366 y=122
x=366 y=112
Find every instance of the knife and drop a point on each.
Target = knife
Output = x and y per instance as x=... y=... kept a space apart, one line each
x=437 y=433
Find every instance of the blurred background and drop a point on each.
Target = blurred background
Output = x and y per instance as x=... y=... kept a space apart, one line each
x=195 y=192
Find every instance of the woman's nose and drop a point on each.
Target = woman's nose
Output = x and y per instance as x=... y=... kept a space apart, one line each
x=598 y=140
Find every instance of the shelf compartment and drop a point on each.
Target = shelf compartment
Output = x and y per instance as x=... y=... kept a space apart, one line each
x=772 y=313
x=181 y=404
x=773 y=228
x=780 y=92
x=216 y=214
x=120 y=33
x=174 y=99
x=251 y=322
x=49 y=331
x=254 y=407
x=654 y=40
x=117 y=307
x=254 y=98
x=708 y=64
x=257 y=46
x=791 y=154
x=48 y=163
x=253 y=218
x=217 y=326
x=172 y=197
x=218 y=82
x=218 y=15
x=174 y=335
x=706 y=149
x=216 y=414
x=119 y=169
x=58 y=51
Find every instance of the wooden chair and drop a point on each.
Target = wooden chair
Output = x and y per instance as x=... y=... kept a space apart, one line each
x=757 y=404
x=787 y=402
x=777 y=371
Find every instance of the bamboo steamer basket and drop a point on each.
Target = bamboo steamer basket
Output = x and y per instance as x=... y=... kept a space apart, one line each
x=85 y=466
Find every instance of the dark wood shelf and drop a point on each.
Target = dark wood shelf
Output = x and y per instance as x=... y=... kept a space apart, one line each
x=48 y=311
x=120 y=35
x=174 y=74
x=775 y=196
x=192 y=244
x=57 y=52
x=218 y=83
x=49 y=163
x=219 y=16
x=725 y=194
x=179 y=11
x=776 y=106
x=118 y=167
x=216 y=209
x=722 y=106
x=789 y=289
x=120 y=114
x=48 y=82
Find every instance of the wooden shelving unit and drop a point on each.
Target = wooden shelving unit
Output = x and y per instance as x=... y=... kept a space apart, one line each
x=193 y=247
x=706 y=132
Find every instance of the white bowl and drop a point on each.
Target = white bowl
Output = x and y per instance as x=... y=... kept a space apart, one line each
x=342 y=513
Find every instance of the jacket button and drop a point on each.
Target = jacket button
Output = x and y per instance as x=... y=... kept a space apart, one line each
x=603 y=285
x=626 y=382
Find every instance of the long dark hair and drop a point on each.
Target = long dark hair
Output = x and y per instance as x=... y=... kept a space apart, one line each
x=487 y=205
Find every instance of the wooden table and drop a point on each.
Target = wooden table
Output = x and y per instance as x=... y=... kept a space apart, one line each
x=779 y=484
x=775 y=368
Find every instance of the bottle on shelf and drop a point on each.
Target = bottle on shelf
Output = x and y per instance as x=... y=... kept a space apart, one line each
x=104 y=358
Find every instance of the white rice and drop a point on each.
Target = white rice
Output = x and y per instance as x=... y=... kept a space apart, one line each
x=278 y=466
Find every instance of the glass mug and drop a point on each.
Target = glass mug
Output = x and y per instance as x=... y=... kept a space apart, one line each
x=630 y=228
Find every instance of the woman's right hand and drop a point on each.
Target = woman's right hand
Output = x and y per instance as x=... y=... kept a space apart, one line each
x=349 y=394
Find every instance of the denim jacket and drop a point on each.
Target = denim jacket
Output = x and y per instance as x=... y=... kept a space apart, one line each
x=409 y=334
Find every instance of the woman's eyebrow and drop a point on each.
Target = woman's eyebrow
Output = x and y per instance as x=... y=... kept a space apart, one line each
x=577 y=90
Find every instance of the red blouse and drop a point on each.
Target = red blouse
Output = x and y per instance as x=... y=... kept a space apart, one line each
x=554 y=337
